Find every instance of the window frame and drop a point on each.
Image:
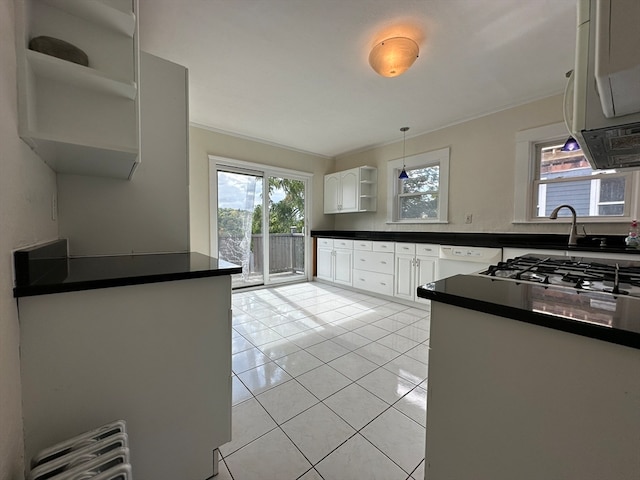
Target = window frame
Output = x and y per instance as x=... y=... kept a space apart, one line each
x=526 y=181
x=438 y=158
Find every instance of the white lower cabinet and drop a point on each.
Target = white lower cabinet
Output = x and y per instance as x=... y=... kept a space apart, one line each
x=414 y=265
x=334 y=261
x=385 y=268
x=373 y=270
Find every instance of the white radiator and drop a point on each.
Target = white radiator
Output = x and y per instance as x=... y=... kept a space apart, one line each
x=100 y=454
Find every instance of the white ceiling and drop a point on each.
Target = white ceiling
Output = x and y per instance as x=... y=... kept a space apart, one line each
x=295 y=72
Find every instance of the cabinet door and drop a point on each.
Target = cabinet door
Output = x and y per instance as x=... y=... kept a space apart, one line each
x=425 y=268
x=325 y=264
x=331 y=187
x=349 y=183
x=404 y=282
x=342 y=267
x=425 y=273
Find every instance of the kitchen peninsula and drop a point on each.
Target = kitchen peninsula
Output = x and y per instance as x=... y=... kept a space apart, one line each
x=143 y=338
x=531 y=381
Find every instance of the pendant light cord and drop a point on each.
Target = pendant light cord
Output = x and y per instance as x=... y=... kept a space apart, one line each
x=403 y=173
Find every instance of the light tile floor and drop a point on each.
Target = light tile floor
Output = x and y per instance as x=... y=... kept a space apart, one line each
x=328 y=384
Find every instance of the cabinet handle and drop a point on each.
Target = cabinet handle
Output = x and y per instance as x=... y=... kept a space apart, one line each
x=417 y=262
x=383 y=262
x=384 y=284
x=362 y=279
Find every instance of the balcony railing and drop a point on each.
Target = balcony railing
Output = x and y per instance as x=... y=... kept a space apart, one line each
x=286 y=254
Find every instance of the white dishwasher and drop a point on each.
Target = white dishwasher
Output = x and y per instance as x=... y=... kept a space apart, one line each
x=456 y=260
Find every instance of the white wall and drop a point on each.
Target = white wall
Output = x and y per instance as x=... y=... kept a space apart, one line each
x=203 y=143
x=149 y=213
x=481 y=173
x=482 y=168
x=27 y=186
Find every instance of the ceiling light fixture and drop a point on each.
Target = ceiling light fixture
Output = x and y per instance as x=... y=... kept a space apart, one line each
x=393 y=56
x=403 y=174
x=570 y=145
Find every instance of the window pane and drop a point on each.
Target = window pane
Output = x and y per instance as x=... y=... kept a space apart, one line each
x=422 y=180
x=577 y=194
x=416 y=207
x=617 y=209
x=612 y=189
x=590 y=194
x=554 y=163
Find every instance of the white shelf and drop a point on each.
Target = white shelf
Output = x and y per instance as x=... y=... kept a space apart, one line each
x=66 y=155
x=99 y=13
x=79 y=75
x=80 y=120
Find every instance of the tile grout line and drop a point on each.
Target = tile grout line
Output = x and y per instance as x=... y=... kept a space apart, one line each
x=352 y=382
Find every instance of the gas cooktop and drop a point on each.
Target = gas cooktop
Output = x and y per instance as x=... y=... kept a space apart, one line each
x=594 y=275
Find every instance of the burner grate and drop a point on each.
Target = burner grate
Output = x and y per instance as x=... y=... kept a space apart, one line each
x=622 y=278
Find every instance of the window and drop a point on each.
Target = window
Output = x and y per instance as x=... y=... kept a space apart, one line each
x=423 y=197
x=547 y=177
x=567 y=177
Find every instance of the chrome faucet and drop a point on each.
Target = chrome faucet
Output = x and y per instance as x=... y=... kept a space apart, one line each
x=573 y=233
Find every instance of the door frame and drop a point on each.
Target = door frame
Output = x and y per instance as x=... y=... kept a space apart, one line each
x=217 y=162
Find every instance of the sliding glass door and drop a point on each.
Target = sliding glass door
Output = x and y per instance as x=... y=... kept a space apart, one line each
x=261 y=225
x=239 y=222
x=286 y=239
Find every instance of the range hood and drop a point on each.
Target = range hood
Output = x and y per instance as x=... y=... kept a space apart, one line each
x=602 y=100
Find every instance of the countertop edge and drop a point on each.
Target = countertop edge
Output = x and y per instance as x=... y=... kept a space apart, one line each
x=47 y=269
x=598 y=332
x=550 y=241
x=35 y=290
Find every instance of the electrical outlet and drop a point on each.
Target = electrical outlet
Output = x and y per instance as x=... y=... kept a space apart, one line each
x=468 y=218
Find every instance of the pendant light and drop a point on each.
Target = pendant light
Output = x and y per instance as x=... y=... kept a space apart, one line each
x=403 y=173
x=570 y=145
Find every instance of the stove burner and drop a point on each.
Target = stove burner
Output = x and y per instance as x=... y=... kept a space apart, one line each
x=621 y=278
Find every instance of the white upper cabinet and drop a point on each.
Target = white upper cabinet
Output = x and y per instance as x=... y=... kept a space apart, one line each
x=332 y=193
x=353 y=190
x=80 y=119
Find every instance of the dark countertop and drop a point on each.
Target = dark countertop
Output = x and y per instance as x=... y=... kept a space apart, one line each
x=615 y=243
x=46 y=269
x=596 y=315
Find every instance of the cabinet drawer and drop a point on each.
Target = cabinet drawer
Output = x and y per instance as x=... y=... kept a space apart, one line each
x=406 y=248
x=362 y=245
x=373 y=282
x=380 y=262
x=325 y=242
x=339 y=243
x=383 y=246
x=427 y=249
